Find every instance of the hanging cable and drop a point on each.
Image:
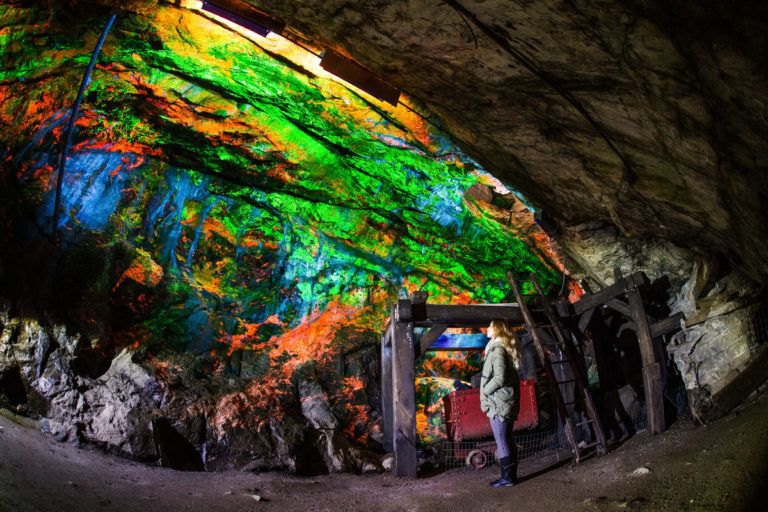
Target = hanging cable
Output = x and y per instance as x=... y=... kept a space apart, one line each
x=71 y=125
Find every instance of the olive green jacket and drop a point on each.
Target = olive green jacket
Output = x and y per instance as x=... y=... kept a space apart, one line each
x=500 y=383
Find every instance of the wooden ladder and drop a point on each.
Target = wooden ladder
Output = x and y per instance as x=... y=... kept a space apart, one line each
x=550 y=334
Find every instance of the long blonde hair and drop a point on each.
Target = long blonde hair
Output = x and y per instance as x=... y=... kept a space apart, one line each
x=503 y=332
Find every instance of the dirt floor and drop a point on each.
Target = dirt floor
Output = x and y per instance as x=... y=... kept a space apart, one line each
x=722 y=466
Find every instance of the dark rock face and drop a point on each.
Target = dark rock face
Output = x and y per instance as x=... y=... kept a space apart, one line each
x=679 y=88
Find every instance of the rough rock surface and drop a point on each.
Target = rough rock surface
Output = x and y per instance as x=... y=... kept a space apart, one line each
x=720 y=337
x=678 y=88
x=137 y=411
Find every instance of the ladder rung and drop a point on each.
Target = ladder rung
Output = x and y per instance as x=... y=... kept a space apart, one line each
x=584 y=423
x=590 y=445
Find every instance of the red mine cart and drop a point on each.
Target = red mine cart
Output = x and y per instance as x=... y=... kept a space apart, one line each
x=466 y=422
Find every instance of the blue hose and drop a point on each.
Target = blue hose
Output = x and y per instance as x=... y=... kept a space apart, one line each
x=72 y=118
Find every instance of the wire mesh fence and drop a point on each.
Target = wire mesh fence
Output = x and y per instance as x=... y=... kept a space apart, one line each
x=480 y=453
x=530 y=445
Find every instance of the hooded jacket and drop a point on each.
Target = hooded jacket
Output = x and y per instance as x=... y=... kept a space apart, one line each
x=500 y=383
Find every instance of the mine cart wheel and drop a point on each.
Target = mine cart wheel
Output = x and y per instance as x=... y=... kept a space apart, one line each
x=477 y=459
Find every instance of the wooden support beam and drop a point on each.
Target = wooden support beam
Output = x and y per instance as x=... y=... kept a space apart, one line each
x=479 y=315
x=610 y=292
x=430 y=337
x=404 y=424
x=654 y=401
x=666 y=325
x=662 y=326
x=620 y=306
x=387 y=400
x=390 y=330
x=584 y=319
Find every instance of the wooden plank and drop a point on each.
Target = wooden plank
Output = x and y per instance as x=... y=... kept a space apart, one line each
x=584 y=319
x=620 y=306
x=739 y=388
x=419 y=305
x=666 y=325
x=247 y=13
x=654 y=397
x=473 y=314
x=610 y=292
x=660 y=327
x=430 y=337
x=386 y=338
x=352 y=72
x=404 y=424
x=651 y=371
x=387 y=403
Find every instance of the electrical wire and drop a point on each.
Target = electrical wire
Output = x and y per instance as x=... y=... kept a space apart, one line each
x=71 y=125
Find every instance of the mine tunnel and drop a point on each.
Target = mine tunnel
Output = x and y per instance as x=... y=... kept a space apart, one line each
x=250 y=251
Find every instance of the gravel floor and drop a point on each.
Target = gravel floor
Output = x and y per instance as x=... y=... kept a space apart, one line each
x=722 y=466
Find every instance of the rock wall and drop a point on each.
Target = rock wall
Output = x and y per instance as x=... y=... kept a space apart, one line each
x=149 y=413
x=721 y=338
x=232 y=221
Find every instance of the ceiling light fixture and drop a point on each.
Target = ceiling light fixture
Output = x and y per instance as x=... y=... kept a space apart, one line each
x=352 y=72
x=244 y=15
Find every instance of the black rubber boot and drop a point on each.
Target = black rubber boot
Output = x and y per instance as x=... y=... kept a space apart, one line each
x=508 y=473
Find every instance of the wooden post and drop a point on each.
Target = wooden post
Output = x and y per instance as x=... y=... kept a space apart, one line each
x=654 y=399
x=386 y=383
x=404 y=424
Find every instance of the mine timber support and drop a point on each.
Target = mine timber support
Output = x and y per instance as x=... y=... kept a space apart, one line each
x=566 y=356
x=399 y=352
x=646 y=328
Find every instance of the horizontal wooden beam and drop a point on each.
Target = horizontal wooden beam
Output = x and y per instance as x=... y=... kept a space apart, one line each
x=663 y=326
x=464 y=315
x=244 y=15
x=609 y=292
x=666 y=325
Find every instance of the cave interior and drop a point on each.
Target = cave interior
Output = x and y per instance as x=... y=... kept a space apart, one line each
x=209 y=209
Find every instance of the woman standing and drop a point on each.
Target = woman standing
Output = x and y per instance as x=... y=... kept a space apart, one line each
x=500 y=395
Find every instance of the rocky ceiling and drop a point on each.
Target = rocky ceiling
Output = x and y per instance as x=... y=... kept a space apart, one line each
x=623 y=119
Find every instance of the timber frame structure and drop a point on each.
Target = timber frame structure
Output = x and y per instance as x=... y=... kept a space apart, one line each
x=399 y=351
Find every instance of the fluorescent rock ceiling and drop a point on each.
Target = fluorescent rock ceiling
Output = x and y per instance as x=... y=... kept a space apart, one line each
x=245 y=202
